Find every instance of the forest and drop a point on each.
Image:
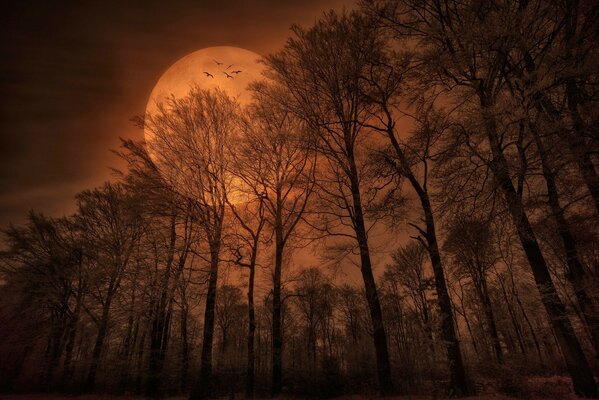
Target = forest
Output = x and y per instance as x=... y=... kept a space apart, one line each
x=408 y=206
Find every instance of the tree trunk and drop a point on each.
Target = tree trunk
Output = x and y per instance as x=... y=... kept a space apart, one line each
x=70 y=344
x=53 y=353
x=490 y=317
x=582 y=377
x=458 y=381
x=574 y=141
x=575 y=273
x=250 y=371
x=203 y=387
x=277 y=334
x=374 y=305
x=96 y=354
x=184 y=344
x=513 y=319
x=159 y=325
x=457 y=372
x=578 y=146
x=100 y=338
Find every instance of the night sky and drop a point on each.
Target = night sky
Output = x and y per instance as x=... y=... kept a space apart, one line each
x=72 y=76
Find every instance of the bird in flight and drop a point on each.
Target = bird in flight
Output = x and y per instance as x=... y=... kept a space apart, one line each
x=208 y=74
x=228 y=76
x=228 y=67
x=217 y=62
x=236 y=72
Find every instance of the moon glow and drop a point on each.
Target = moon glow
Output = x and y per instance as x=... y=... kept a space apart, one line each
x=230 y=69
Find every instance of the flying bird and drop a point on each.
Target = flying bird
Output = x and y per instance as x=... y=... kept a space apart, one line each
x=228 y=76
x=236 y=72
x=228 y=67
x=217 y=62
x=208 y=74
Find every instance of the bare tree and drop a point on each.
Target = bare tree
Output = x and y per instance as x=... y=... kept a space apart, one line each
x=469 y=242
x=43 y=265
x=321 y=68
x=467 y=56
x=408 y=268
x=251 y=219
x=111 y=226
x=274 y=165
x=188 y=142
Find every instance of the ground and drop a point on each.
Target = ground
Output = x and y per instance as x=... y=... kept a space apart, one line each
x=107 y=397
x=535 y=388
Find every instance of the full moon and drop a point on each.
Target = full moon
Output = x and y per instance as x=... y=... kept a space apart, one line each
x=230 y=69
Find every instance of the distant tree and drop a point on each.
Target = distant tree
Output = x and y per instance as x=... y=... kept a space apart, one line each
x=229 y=312
x=470 y=244
x=313 y=299
x=408 y=269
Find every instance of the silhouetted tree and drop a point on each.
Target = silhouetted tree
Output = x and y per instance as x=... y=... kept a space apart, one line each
x=188 y=142
x=321 y=67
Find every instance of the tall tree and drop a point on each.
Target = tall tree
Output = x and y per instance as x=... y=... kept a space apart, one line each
x=251 y=218
x=321 y=68
x=413 y=159
x=188 y=141
x=273 y=164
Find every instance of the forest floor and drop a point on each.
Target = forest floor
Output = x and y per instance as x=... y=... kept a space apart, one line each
x=531 y=388
x=109 y=397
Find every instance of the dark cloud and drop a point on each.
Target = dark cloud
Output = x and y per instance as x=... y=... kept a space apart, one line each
x=73 y=73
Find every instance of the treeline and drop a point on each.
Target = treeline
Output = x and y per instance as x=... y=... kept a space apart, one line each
x=443 y=152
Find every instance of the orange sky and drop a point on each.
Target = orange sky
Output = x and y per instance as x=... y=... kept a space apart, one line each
x=72 y=76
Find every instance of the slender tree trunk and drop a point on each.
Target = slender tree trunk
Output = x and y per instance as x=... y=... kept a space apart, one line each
x=131 y=345
x=140 y=358
x=277 y=333
x=490 y=317
x=374 y=305
x=582 y=377
x=96 y=354
x=159 y=325
x=513 y=318
x=100 y=338
x=466 y=319
x=427 y=325
x=184 y=345
x=577 y=143
x=457 y=372
x=525 y=316
x=203 y=387
x=53 y=353
x=71 y=336
x=459 y=383
x=250 y=370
